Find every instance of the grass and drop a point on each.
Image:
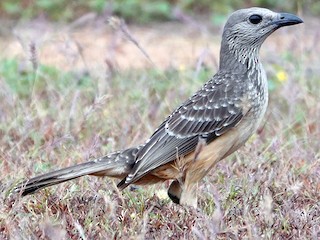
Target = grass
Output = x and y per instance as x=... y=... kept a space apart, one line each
x=52 y=118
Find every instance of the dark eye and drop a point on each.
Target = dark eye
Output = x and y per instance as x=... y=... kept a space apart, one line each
x=255 y=19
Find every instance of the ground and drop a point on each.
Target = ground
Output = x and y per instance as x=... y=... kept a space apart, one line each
x=73 y=92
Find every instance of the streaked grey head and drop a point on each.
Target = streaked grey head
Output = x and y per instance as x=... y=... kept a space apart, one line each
x=246 y=30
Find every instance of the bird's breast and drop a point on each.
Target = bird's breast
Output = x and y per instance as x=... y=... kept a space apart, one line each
x=257 y=93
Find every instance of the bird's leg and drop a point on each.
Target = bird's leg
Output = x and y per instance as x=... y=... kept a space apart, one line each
x=183 y=194
x=183 y=190
x=174 y=191
x=179 y=194
x=188 y=195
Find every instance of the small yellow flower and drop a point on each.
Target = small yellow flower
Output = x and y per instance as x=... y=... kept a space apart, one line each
x=182 y=68
x=282 y=76
x=162 y=194
x=133 y=215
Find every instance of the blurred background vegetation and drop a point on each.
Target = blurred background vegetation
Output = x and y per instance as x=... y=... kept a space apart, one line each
x=142 y=11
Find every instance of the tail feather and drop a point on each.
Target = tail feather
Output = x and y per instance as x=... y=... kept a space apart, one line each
x=116 y=165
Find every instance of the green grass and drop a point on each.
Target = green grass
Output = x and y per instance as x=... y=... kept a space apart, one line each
x=51 y=119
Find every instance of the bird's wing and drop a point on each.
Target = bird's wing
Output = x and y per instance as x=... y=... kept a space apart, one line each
x=209 y=113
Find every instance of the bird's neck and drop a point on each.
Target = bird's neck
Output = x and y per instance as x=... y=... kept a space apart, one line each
x=238 y=59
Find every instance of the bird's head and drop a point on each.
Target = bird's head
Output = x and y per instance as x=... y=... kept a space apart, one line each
x=246 y=30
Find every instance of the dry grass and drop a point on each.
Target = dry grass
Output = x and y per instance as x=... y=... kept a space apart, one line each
x=52 y=118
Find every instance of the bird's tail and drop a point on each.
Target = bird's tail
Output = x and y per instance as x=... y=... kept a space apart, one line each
x=117 y=165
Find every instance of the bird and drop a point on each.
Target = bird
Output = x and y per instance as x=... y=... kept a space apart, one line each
x=209 y=126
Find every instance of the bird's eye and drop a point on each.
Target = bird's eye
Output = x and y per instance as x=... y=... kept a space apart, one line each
x=255 y=19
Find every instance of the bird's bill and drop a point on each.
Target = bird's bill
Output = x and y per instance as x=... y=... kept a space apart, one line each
x=287 y=19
